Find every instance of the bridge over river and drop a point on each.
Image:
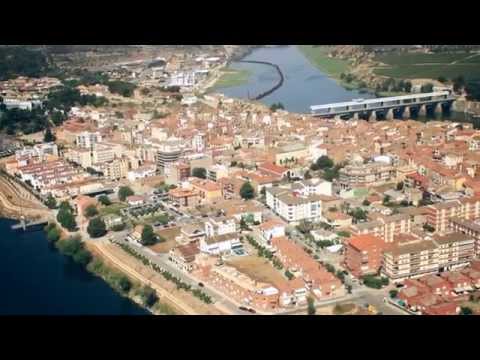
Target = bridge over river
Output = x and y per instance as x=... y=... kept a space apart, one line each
x=389 y=107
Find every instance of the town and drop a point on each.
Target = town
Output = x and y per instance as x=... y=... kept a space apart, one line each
x=228 y=206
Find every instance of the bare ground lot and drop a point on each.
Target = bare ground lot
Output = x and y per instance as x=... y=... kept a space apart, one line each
x=258 y=269
x=169 y=235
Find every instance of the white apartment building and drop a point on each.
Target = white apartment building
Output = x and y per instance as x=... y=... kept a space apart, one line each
x=313 y=187
x=87 y=139
x=199 y=142
x=102 y=153
x=293 y=207
x=216 y=172
x=220 y=225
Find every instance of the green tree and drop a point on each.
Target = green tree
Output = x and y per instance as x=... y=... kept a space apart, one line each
x=247 y=191
x=289 y=275
x=393 y=293
x=359 y=214
x=65 y=205
x=149 y=296
x=49 y=137
x=366 y=202
x=386 y=200
x=200 y=173
x=324 y=162
x=51 y=202
x=408 y=86
x=82 y=256
x=96 y=228
x=104 y=200
x=442 y=79
x=124 y=192
x=277 y=106
x=400 y=186
x=148 y=236
x=66 y=219
x=426 y=88
x=124 y=283
x=311 y=306
x=70 y=246
x=466 y=311
x=53 y=235
x=90 y=211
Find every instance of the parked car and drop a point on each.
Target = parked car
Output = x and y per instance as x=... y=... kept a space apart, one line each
x=243 y=308
x=200 y=284
x=252 y=311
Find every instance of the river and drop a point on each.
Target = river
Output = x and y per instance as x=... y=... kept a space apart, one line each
x=38 y=280
x=304 y=84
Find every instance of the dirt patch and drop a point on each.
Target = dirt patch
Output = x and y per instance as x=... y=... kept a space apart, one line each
x=258 y=269
x=169 y=235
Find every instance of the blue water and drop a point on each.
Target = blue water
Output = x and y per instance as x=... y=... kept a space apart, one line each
x=304 y=84
x=37 y=280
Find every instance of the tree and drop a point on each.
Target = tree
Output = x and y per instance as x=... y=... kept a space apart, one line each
x=400 y=186
x=104 y=200
x=66 y=219
x=70 y=246
x=149 y=296
x=124 y=284
x=148 y=236
x=91 y=211
x=386 y=199
x=428 y=227
x=307 y=175
x=200 y=173
x=359 y=214
x=324 y=162
x=96 y=228
x=247 y=191
x=426 y=88
x=311 y=306
x=82 y=257
x=442 y=79
x=124 y=192
x=466 y=311
x=49 y=137
x=393 y=293
x=51 y=202
x=65 y=205
x=366 y=202
x=408 y=86
x=289 y=275
x=53 y=235
x=276 y=106
x=263 y=191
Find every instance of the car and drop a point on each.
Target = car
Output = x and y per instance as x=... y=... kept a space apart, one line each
x=157 y=224
x=252 y=311
x=243 y=308
x=200 y=284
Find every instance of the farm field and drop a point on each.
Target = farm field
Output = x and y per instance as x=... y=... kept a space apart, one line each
x=318 y=56
x=432 y=66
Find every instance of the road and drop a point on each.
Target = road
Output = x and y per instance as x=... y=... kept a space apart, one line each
x=225 y=304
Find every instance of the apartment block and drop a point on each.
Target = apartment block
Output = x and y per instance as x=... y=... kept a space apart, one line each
x=294 y=207
x=366 y=175
x=363 y=254
x=385 y=227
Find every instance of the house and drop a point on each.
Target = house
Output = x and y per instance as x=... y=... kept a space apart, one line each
x=272 y=169
x=446 y=308
x=135 y=200
x=240 y=208
x=136 y=234
x=338 y=219
x=220 y=244
x=208 y=190
x=184 y=196
x=183 y=256
x=193 y=232
x=112 y=220
x=459 y=282
x=270 y=229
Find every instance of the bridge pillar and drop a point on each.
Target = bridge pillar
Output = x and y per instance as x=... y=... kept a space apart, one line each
x=406 y=112
x=438 y=108
x=389 y=115
x=373 y=116
x=423 y=110
x=23 y=223
x=355 y=116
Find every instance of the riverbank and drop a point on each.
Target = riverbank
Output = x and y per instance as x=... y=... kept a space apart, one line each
x=16 y=201
x=231 y=77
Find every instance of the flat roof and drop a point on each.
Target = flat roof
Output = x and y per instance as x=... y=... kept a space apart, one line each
x=376 y=100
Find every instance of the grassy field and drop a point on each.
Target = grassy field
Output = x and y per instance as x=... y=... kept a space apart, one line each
x=431 y=66
x=232 y=77
x=318 y=56
x=112 y=209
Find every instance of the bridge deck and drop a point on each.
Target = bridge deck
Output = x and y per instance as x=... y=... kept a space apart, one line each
x=359 y=105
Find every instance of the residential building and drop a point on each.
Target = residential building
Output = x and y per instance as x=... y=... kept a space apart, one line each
x=209 y=190
x=87 y=139
x=293 y=207
x=216 y=172
x=366 y=175
x=385 y=227
x=363 y=254
x=183 y=256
